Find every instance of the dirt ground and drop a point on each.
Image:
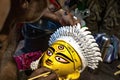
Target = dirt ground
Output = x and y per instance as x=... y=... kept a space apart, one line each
x=104 y=72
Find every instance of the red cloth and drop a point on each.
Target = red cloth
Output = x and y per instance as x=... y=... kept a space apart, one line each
x=23 y=61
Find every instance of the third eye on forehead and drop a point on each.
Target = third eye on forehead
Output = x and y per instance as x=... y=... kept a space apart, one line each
x=60 y=47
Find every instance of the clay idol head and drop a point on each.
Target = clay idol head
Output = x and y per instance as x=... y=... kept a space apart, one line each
x=71 y=50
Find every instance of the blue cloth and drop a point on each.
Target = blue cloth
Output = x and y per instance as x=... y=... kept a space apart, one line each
x=109 y=46
x=35 y=34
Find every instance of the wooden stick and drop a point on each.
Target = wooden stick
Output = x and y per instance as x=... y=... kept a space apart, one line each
x=44 y=75
x=116 y=73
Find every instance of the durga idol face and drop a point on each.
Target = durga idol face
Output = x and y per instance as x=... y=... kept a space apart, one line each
x=61 y=58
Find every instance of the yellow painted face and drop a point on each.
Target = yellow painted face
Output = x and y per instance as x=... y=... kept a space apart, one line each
x=62 y=58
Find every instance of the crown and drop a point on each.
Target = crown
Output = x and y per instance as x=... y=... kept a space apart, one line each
x=83 y=43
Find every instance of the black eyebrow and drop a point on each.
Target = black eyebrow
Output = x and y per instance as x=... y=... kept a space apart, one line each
x=65 y=56
x=52 y=49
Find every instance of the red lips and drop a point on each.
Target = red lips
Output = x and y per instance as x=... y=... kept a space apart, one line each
x=48 y=62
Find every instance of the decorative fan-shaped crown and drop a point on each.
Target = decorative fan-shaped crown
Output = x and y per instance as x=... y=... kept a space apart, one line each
x=82 y=41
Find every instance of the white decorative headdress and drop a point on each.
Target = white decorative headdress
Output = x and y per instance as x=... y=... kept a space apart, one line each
x=82 y=41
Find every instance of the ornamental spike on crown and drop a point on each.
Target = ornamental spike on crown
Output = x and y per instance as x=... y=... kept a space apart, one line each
x=82 y=41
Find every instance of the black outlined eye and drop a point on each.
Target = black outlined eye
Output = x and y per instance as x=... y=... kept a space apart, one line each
x=60 y=59
x=49 y=53
x=60 y=47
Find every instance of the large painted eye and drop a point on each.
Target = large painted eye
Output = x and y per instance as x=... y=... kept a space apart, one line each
x=62 y=60
x=49 y=53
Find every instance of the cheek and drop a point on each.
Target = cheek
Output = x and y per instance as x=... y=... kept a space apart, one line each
x=64 y=69
x=65 y=66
